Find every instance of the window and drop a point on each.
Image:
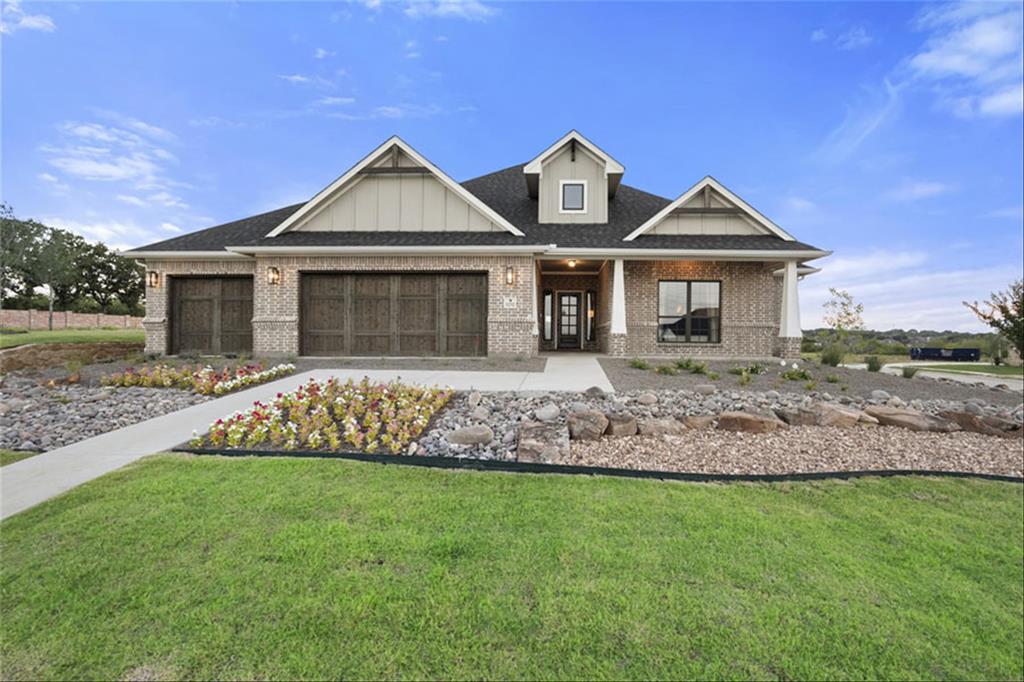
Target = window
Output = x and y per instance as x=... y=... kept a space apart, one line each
x=591 y=314
x=549 y=299
x=574 y=196
x=689 y=312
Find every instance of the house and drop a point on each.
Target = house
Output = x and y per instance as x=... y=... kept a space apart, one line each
x=558 y=254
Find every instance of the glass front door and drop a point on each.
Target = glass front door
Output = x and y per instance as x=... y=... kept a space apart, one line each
x=568 y=320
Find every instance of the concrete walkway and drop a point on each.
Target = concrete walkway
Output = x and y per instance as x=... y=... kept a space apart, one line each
x=27 y=483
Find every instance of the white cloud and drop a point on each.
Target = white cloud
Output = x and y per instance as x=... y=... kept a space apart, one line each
x=441 y=39
x=295 y=78
x=1007 y=102
x=117 y=234
x=411 y=51
x=322 y=53
x=13 y=19
x=471 y=10
x=861 y=122
x=81 y=162
x=54 y=182
x=913 y=190
x=800 y=204
x=818 y=35
x=170 y=227
x=131 y=200
x=853 y=39
x=334 y=101
x=167 y=200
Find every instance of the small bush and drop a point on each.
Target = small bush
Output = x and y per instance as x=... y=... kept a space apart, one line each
x=756 y=368
x=738 y=371
x=698 y=368
x=684 y=363
x=844 y=388
x=909 y=372
x=667 y=370
x=713 y=376
x=796 y=374
x=744 y=379
x=832 y=355
x=832 y=379
x=810 y=385
x=874 y=364
x=637 y=363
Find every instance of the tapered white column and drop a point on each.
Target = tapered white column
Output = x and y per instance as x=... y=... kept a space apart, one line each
x=618 y=299
x=789 y=325
x=536 y=283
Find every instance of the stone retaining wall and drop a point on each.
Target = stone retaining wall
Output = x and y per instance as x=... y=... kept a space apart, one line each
x=43 y=355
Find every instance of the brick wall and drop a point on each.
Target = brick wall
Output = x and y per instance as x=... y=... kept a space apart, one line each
x=750 y=309
x=40 y=319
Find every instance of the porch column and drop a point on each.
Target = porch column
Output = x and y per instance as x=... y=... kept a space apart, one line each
x=618 y=299
x=789 y=325
x=536 y=285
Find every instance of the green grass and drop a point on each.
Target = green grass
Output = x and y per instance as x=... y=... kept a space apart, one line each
x=200 y=567
x=72 y=336
x=12 y=456
x=993 y=370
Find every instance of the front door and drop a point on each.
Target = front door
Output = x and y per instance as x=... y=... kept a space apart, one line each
x=568 y=320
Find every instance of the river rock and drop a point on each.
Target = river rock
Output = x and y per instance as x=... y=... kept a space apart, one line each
x=471 y=435
x=587 y=424
x=910 y=419
x=661 y=427
x=542 y=442
x=621 y=424
x=749 y=423
x=547 y=413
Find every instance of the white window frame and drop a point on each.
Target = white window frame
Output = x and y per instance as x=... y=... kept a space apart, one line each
x=561 y=196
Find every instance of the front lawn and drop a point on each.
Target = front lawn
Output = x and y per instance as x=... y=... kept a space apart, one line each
x=198 y=567
x=115 y=335
x=12 y=456
x=992 y=370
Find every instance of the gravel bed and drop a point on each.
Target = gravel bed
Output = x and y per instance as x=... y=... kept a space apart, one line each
x=805 y=449
x=502 y=412
x=851 y=382
x=40 y=417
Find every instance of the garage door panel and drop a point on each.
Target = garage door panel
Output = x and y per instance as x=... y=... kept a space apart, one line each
x=372 y=315
x=466 y=315
x=417 y=315
x=418 y=344
x=211 y=315
x=377 y=345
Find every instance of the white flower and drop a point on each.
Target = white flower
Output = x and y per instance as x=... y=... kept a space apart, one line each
x=782 y=363
x=794 y=365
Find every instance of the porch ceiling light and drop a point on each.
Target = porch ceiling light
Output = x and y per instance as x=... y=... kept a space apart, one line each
x=273 y=276
x=572 y=262
x=152 y=279
x=510 y=275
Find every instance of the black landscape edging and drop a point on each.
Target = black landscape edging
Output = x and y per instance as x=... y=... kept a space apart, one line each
x=536 y=468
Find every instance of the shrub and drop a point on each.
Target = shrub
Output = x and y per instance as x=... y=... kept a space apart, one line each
x=738 y=371
x=744 y=379
x=668 y=370
x=756 y=368
x=909 y=372
x=326 y=415
x=832 y=355
x=832 y=379
x=637 y=363
x=684 y=363
x=713 y=376
x=698 y=368
x=810 y=385
x=796 y=374
x=874 y=364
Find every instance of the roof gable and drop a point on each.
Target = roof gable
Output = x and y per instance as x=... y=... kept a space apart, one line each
x=395 y=160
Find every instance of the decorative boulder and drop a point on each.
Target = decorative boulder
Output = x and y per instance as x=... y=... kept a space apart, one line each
x=705 y=389
x=647 y=399
x=661 y=427
x=910 y=419
x=879 y=394
x=542 y=442
x=587 y=424
x=471 y=435
x=621 y=424
x=595 y=392
x=547 y=413
x=990 y=426
x=835 y=415
x=798 y=416
x=749 y=423
x=698 y=421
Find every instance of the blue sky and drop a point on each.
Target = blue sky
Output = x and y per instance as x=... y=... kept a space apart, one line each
x=889 y=133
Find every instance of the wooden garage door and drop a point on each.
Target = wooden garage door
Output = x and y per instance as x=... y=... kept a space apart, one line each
x=211 y=315
x=394 y=314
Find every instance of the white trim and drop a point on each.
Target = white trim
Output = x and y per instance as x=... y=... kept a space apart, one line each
x=182 y=255
x=404 y=250
x=709 y=181
x=394 y=141
x=611 y=166
x=789 y=317
x=802 y=270
x=697 y=254
x=561 y=197
x=618 y=299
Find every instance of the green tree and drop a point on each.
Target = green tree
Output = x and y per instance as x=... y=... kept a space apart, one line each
x=1004 y=312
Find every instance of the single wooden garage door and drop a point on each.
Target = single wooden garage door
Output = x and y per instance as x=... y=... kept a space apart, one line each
x=394 y=314
x=211 y=315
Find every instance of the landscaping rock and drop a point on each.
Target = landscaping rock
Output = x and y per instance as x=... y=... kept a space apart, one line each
x=471 y=435
x=647 y=399
x=990 y=426
x=547 y=412
x=695 y=422
x=798 y=416
x=480 y=413
x=910 y=419
x=834 y=415
x=621 y=424
x=542 y=442
x=660 y=427
x=595 y=392
x=749 y=423
x=705 y=389
x=474 y=399
x=587 y=424
x=879 y=394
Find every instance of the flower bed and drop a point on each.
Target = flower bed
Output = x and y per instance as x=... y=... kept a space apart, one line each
x=330 y=415
x=204 y=380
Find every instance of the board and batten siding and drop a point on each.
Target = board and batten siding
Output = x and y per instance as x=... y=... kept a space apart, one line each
x=707 y=223
x=398 y=203
x=561 y=167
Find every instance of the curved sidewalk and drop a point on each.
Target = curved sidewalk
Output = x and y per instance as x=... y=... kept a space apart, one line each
x=27 y=483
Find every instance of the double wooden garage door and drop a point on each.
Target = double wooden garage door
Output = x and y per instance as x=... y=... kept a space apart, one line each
x=211 y=315
x=394 y=314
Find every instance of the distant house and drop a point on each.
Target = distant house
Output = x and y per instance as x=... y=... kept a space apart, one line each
x=397 y=258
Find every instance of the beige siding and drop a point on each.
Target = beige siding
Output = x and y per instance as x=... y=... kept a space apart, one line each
x=397 y=203
x=707 y=224
x=561 y=167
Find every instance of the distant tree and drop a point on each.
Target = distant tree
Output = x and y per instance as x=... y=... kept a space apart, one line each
x=1004 y=312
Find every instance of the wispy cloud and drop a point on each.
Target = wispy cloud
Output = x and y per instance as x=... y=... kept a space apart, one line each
x=854 y=39
x=862 y=121
x=322 y=53
x=295 y=78
x=471 y=10
x=53 y=181
x=915 y=190
x=818 y=35
x=14 y=19
x=412 y=50
x=334 y=101
x=799 y=204
x=131 y=200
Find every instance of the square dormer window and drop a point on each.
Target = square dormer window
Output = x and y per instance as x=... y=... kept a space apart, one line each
x=574 y=196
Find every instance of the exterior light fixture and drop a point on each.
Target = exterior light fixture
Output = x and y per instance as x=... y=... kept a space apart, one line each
x=572 y=262
x=510 y=275
x=152 y=279
x=273 y=276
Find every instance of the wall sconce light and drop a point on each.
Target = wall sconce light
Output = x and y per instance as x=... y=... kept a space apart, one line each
x=152 y=279
x=510 y=275
x=273 y=276
x=572 y=262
